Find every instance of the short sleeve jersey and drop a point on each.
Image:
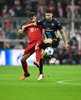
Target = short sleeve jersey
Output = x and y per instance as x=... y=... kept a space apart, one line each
x=34 y=33
x=50 y=28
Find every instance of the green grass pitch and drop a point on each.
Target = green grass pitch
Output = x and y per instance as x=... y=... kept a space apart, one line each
x=68 y=88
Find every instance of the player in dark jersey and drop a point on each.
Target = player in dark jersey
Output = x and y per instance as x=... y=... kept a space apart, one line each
x=35 y=41
x=51 y=26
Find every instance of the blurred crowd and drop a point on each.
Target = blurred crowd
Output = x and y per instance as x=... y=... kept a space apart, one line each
x=61 y=9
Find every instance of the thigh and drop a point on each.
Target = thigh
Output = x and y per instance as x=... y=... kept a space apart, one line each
x=39 y=43
x=45 y=45
x=30 y=49
x=55 y=43
x=27 y=54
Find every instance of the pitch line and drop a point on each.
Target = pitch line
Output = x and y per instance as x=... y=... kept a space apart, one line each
x=63 y=82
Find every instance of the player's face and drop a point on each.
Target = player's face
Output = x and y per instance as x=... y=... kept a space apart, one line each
x=33 y=19
x=49 y=16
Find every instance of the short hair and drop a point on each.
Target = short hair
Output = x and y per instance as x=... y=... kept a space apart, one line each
x=48 y=11
x=31 y=14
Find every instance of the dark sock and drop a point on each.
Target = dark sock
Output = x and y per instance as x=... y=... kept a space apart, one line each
x=41 y=66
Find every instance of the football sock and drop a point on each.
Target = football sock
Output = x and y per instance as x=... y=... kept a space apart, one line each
x=37 y=55
x=41 y=66
x=25 y=68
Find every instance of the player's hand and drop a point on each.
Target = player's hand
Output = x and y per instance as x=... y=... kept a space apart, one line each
x=48 y=41
x=23 y=27
x=20 y=31
x=66 y=46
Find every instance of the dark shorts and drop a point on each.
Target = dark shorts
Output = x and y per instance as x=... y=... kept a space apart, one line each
x=54 y=44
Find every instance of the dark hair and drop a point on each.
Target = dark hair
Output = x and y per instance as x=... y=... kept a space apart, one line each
x=31 y=14
x=48 y=11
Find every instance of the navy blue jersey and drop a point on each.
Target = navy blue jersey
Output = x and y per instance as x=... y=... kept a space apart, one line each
x=50 y=28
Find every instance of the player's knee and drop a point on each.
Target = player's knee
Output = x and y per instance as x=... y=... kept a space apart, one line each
x=42 y=53
x=36 y=47
x=24 y=57
x=48 y=41
x=22 y=60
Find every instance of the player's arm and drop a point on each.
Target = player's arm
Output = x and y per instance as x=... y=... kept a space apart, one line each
x=20 y=31
x=40 y=22
x=59 y=27
x=28 y=25
x=64 y=39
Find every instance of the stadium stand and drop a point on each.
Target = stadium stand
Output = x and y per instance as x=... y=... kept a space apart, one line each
x=13 y=14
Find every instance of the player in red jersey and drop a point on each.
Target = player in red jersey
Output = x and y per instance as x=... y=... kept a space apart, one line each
x=35 y=41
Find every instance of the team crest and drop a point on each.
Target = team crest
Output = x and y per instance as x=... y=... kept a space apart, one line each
x=32 y=29
x=52 y=24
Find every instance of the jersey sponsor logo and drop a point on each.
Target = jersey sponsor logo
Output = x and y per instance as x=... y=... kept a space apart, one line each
x=32 y=29
x=48 y=30
x=49 y=34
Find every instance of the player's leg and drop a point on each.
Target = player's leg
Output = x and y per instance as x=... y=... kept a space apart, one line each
x=24 y=66
x=41 y=61
x=50 y=41
x=38 y=53
x=55 y=44
x=41 y=75
x=28 y=51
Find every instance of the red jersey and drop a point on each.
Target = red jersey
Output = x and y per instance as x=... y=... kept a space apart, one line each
x=34 y=33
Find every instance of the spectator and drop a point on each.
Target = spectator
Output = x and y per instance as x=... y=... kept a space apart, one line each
x=5 y=14
x=75 y=57
x=11 y=12
x=59 y=10
x=69 y=12
x=79 y=39
x=28 y=8
x=8 y=46
x=18 y=9
x=2 y=3
x=74 y=43
x=12 y=34
x=40 y=9
x=5 y=11
x=34 y=4
x=2 y=34
x=51 y=6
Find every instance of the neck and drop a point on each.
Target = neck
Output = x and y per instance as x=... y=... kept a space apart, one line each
x=50 y=19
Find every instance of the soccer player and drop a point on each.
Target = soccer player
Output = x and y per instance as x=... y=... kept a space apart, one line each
x=51 y=26
x=35 y=41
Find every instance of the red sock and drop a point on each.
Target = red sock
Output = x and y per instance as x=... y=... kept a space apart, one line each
x=25 y=68
x=38 y=55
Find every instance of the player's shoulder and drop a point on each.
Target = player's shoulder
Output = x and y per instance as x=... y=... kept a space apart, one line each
x=55 y=20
